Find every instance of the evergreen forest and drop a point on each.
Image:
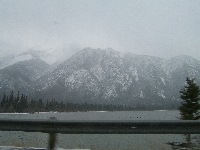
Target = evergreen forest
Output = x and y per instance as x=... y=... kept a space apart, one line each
x=21 y=104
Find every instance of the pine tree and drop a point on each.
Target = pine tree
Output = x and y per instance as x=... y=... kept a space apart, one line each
x=17 y=103
x=3 y=102
x=10 y=100
x=190 y=106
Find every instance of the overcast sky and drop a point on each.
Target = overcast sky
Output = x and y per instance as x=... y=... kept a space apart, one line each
x=163 y=28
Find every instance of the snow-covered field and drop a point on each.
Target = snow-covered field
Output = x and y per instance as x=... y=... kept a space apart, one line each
x=32 y=148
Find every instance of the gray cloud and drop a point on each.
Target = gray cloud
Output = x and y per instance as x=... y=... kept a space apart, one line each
x=163 y=28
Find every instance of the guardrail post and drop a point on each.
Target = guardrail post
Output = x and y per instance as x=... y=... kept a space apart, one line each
x=52 y=138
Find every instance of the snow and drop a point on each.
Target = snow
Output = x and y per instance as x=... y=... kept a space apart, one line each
x=112 y=74
x=14 y=113
x=16 y=59
x=134 y=73
x=33 y=148
x=163 y=80
x=70 y=80
x=110 y=92
x=98 y=111
x=160 y=110
x=142 y=95
x=161 y=94
x=49 y=60
x=80 y=78
x=119 y=77
x=125 y=81
x=98 y=72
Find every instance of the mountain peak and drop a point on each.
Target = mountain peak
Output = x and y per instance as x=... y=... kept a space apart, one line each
x=108 y=76
x=13 y=59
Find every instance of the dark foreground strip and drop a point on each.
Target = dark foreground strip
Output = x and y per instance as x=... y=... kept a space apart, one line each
x=102 y=126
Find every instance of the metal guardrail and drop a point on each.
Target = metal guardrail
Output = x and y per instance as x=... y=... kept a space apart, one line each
x=102 y=127
x=53 y=126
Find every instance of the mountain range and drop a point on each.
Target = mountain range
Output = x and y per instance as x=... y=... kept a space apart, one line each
x=100 y=77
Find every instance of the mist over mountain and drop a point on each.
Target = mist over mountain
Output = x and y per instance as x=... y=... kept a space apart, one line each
x=19 y=72
x=101 y=77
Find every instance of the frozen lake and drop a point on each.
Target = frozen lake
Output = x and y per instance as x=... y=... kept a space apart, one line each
x=94 y=142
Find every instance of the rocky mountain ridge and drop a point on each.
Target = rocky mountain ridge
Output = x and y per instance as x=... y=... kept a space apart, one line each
x=110 y=77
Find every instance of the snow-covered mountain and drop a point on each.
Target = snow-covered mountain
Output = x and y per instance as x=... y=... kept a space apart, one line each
x=19 y=72
x=108 y=76
x=51 y=58
x=99 y=76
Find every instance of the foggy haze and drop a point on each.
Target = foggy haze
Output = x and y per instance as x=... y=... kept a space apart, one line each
x=163 y=28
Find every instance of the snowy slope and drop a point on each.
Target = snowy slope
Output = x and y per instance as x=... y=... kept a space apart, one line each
x=20 y=76
x=49 y=58
x=12 y=59
x=100 y=76
x=108 y=76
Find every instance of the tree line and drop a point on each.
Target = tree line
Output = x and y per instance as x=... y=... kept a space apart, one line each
x=20 y=104
x=189 y=108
